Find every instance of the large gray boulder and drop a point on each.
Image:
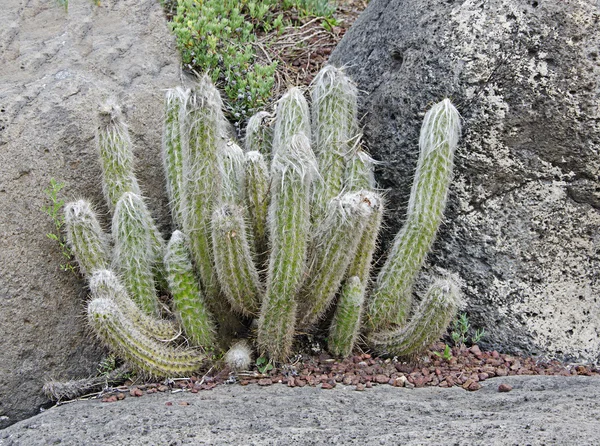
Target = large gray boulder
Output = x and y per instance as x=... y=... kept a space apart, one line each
x=523 y=222
x=56 y=68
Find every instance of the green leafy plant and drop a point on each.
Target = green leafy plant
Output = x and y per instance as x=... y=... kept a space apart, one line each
x=262 y=252
x=446 y=354
x=263 y=365
x=460 y=331
x=54 y=211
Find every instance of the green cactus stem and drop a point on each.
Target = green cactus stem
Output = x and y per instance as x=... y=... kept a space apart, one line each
x=172 y=151
x=233 y=260
x=289 y=222
x=257 y=200
x=206 y=130
x=335 y=243
x=88 y=242
x=116 y=156
x=134 y=254
x=188 y=302
x=231 y=170
x=292 y=118
x=105 y=284
x=259 y=134
x=392 y=298
x=429 y=323
x=345 y=325
x=334 y=109
x=147 y=356
x=359 y=172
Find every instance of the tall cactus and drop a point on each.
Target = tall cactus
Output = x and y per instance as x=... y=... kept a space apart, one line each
x=230 y=161
x=172 y=151
x=206 y=130
x=336 y=240
x=436 y=310
x=188 y=302
x=392 y=297
x=105 y=284
x=146 y=355
x=116 y=155
x=134 y=255
x=88 y=242
x=334 y=105
x=293 y=169
x=259 y=134
x=233 y=260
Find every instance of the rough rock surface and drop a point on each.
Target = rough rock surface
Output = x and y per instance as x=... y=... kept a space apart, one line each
x=523 y=222
x=538 y=410
x=56 y=68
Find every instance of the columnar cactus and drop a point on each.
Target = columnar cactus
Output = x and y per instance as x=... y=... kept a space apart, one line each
x=151 y=357
x=230 y=161
x=233 y=260
x=336 y=239
x=88 y=242
x=345 y=325
x=116 y=155
x=334 y=104
x=188 y=301
x=432 y=317
x=256 y=179
x=259 y=134
x=392 y=297
x=134 y=255
x=172 y=152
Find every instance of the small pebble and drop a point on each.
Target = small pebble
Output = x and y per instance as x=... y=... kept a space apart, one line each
x=504 y=387
x=360 y=387
x=136 y=392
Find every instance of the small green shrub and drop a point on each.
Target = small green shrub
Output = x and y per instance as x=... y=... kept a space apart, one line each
x=54 y=211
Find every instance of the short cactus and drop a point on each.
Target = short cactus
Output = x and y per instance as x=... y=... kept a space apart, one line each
x=259 y=134
x=188 y=302
x=392 y=298
x=345 y=325
x=239 y=357
x=88 y=242
x=116 y=155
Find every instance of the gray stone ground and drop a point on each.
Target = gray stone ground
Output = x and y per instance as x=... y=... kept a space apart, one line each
x=539 y=410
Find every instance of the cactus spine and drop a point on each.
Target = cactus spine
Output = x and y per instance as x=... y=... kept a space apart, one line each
x=257 y=200
x=334 y=104
x=143 y=353
x=205 y=136
x=239 y=356
x=172 y=152
x=106 y=285
x=88 y=242
x=335 y=243
x=429 y=323
x=116 y=156
x=134 y=253
x=230 y=160
x=234 y=263
x=289 y=223
x=392 y=297
x=346 y=320
x=188 y=301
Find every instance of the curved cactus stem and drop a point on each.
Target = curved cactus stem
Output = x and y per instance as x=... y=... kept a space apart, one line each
x=429 y=323
x=335 y=244
x=88 y=242
x=106 y=285
x=172 y=151
x=134 y=253
x=259 y=134
x=143 y=353
x=233 y=260
x=116 y=156
x=202 y=183
x=257 y=200
x=392 y=298
x=334 y=110
x=188 y=301
x=345 y=325
x=289 y=223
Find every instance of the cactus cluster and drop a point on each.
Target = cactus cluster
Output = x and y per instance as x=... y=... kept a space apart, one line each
x=267 y=241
